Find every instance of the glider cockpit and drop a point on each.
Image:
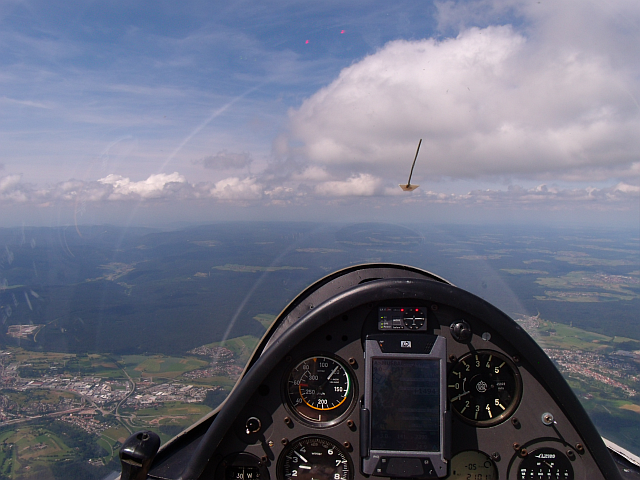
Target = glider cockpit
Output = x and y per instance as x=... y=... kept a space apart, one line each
x=388 y=371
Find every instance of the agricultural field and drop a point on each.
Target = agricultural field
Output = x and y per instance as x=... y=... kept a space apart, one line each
x=562 y=336
x=254 y=268
x=265 y=319
x=168 y=419
x=159 y=366
x=42 y=449
x=30 y=446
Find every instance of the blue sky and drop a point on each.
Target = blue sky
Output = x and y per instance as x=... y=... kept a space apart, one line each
x=127 y=112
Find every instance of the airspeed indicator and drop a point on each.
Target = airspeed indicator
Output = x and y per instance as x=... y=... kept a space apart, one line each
x=319 y=389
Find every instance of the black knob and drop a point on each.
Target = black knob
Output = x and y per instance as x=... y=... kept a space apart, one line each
x=461 y=331
x=137 y=453
x=253 y=425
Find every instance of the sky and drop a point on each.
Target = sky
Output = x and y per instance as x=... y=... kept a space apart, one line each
x=170 y=113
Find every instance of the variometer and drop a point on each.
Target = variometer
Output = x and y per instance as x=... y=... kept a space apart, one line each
x=484 y=387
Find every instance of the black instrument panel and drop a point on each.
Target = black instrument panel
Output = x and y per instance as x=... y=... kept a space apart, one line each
x=298 y=412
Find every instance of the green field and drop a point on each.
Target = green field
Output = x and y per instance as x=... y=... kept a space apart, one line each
x=161 y=366
x=585 y=261
x=265 y=320
x=521 y=271
x=616 y=419
x=583 y=286
x=567 y=337
x=30 y=451
x=36 y=364
x=242 y=347
x=170 y=414
x=253 y=268
x=37 y=396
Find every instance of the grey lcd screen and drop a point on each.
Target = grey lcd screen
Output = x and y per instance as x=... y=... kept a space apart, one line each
x=405 y=405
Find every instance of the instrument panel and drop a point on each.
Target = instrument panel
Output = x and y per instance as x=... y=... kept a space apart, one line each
x=454 y=394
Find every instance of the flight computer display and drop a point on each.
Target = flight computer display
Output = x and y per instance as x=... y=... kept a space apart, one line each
x=405 y=404
x=404 y=413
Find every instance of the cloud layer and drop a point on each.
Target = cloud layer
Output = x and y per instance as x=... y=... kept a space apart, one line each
x=160 y=188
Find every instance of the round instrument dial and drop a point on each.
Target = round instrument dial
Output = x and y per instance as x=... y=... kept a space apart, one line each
x=314 y=458
x=473 y=464
x=484 y=387
x=319 y=390
x=545 y=463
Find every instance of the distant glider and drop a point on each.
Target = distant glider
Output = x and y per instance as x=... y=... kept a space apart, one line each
x=408 y=187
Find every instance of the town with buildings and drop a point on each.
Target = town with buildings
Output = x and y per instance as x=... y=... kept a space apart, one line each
x=619 y=369
x=92 y=402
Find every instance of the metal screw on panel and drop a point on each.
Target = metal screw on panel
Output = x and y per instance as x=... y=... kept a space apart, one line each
x=287 y=420
x=515 y=359
x=270 y=443
x=452 y=358
x=347 y=445
x=434 y=308
x=523 y=452
x=571 y=455
x=515 y=422
x=495 y=456
x=580 y=448
x=547 y=419
x=351 y=424
x=264 y=459
x=284 y=441
x=352 y=361
x=516 y=446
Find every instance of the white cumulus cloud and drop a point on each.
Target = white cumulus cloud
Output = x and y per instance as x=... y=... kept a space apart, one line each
x=6 y=183
x=153 y=187
x=234 y=188
x=363 y=185
x=626 y=188
x=490 y=102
